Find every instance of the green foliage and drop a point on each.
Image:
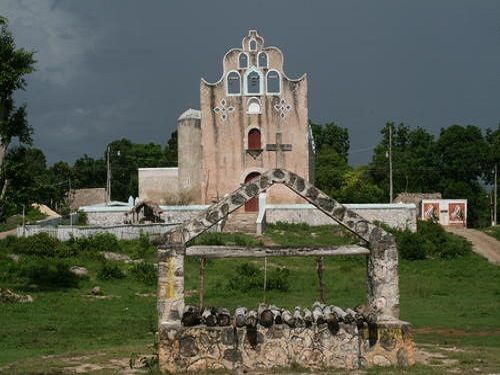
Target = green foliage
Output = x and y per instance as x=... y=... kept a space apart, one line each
x=51 y=273
x=430 y=241
x=96 y=243
x=82 y=218
x=357 y=187
x=331 y=136
x=27 y=176
x=414 y=160
x=493 y=232
x=249 y=277
x=145 y=272
x=15 y=64
x=330 y=169
x=110 y=270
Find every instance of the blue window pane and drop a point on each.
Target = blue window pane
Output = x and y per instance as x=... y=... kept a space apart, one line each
x=243 y=61
x=233 y=83
x=263 y=60
x=253 y=45
x=253 y=83
x=273 y=82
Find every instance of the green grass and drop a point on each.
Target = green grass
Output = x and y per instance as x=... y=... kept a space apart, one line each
x=493 y=232
x=450 y=302
x=304 y=235
x=226 y=239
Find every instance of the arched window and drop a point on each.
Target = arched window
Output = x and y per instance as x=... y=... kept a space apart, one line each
x=243 y=60
x=253 y=84
x=254 y=142
x=233 y=82
x=273 y=80
x=262 y=60
x=253 y=106
x=253 y=45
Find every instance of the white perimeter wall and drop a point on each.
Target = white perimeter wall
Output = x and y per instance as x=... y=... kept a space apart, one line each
x=400 y=216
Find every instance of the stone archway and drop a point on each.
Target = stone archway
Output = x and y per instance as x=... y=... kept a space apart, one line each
x=382 y=278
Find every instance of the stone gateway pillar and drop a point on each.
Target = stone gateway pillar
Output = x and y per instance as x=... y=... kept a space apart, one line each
x=383 y=276
x=170 y=292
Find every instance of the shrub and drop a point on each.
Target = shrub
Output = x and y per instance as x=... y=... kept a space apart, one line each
x=143 y=247
x=96 y=243
x=50 y=273
x=430 y=240
x=278 y=279
x=82 y=218
x=40 y=244
x=410 y=248
x=250 y=277
x=145 y=272
x=103 y=242
x=110 y=270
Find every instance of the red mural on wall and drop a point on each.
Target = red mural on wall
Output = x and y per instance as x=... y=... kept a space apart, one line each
x=431 y=211
x=456 y=212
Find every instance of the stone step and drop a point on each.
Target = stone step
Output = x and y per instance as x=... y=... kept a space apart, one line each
x=241 y=222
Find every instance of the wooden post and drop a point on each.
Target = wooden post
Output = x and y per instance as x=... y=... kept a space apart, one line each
x=319 y=269
x=202 y=283
x=265 y=279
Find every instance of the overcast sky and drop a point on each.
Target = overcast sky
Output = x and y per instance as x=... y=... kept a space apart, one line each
x=127 y=69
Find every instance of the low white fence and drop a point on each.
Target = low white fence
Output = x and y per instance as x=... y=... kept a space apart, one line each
x=122 y=232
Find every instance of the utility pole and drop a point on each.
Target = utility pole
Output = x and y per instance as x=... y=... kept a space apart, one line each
x=108 y=179
x=390 y=164
x=495 y=202
x=70 y=202
x=24 y=222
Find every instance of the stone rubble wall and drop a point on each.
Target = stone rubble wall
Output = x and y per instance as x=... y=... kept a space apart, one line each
x=203 y=348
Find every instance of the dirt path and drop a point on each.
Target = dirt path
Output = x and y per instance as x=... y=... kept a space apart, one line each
x=11 y=232
x=482 y=244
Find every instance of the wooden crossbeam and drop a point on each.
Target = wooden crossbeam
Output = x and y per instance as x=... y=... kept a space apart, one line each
x=274 y=251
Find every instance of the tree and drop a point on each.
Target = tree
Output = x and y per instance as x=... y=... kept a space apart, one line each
x=463 y=153
x=331 y=135
x=463 y=156
x=414 y=160
x=88 y=172
x=330 y=169
x=15 y=64
x=28 y=176
x=357 y=187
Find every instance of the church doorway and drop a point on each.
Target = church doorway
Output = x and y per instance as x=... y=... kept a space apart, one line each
x=253 y=204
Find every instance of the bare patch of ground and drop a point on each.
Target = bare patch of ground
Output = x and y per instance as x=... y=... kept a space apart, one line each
x=482 y=244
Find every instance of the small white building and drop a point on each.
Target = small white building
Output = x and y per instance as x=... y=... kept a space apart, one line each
x=445 y=211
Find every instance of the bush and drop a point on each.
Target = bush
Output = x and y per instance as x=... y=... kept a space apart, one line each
x=110 y=270
x=94 y=244
x=142 y=247
x=50 y=273
x=40 y=244
x=250 y=277
x=145 y=272
x=82 y=218
x=430 y=240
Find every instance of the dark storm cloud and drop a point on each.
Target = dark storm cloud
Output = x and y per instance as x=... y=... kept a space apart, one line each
x=114 y=69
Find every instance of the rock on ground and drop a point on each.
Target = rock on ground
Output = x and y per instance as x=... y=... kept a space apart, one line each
x=7 y=296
